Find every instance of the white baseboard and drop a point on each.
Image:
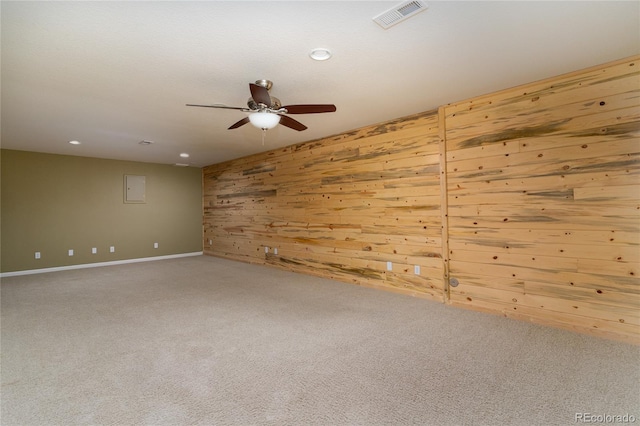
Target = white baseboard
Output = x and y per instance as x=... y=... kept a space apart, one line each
x=96 y=265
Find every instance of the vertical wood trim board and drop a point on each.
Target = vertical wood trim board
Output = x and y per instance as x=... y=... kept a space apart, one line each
x=444 y=209
x=528 y=197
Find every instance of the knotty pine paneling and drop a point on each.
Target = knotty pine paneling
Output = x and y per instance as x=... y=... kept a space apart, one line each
x=340 y=207
x=543 y=190
x=528 y=197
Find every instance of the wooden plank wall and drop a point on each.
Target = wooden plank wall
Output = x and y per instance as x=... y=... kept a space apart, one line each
x=528 y=197
x=340 y=207
x=543 y=201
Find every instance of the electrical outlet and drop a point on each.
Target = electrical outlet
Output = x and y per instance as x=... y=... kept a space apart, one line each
x=275 y=251
x=155 y=245
x=71 y=252
x=112 y=249
x=94 y=250
x=389 y=266
x=416 y=269
x=266 y=249
x=210 y=242
x=37 y=255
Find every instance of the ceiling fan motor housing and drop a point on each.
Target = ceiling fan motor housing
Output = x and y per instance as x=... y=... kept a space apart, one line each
x=275 y=104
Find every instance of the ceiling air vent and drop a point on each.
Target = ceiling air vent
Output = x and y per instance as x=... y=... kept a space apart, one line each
x=399 y=13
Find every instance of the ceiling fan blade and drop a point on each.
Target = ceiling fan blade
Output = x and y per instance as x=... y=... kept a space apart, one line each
x=260 y=94
x=291 y=123
x=239 y=123
x=309 y=109
x=218 y=106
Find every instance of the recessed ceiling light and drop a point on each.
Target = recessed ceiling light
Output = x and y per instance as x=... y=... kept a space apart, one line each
x=320 y=54
x=74 y=142
x=184 y=155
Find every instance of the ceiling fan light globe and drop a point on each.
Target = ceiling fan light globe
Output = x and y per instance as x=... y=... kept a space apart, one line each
x=264 y=120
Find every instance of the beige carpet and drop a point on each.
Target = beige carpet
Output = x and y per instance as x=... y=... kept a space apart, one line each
x=213 y=342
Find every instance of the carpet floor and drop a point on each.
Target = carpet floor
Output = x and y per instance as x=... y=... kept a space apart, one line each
x=208 y=341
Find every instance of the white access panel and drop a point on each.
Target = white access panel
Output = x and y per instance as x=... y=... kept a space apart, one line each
x=134 y=189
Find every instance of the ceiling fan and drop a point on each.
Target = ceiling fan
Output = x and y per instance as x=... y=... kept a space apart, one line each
x=266 y=111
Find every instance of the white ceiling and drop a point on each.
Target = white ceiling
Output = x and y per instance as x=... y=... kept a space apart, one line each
x=111 y=74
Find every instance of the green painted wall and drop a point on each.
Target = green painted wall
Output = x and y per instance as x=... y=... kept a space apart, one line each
x=53 y=203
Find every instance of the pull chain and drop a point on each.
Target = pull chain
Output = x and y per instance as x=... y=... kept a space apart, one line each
x=264 y=134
